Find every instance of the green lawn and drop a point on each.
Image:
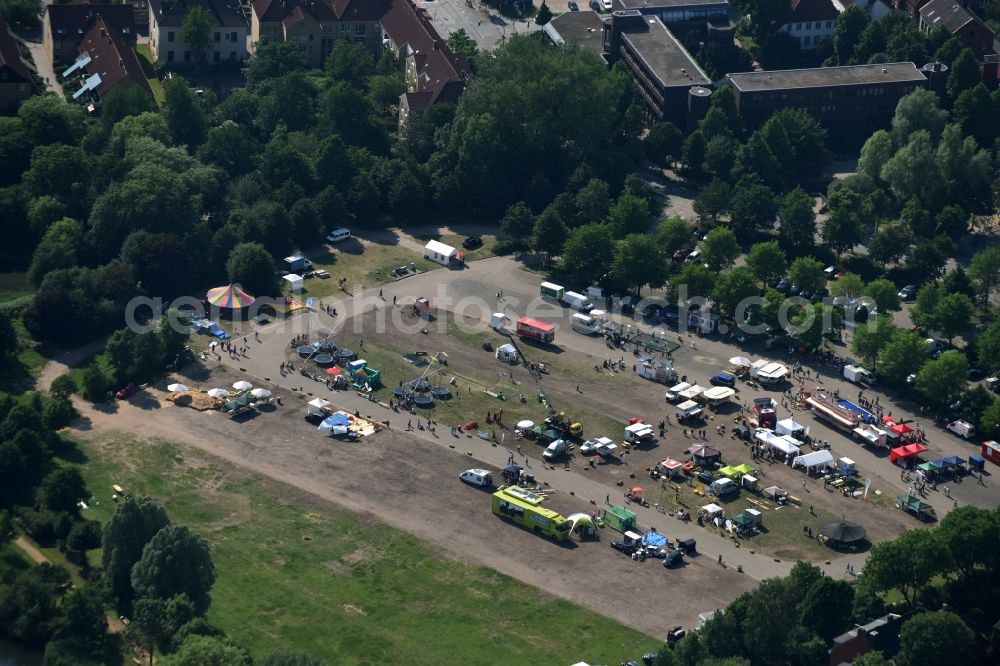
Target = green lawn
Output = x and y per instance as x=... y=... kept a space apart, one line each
x=295 y=577
x=14 y=286
x=18 y=373
x=149 y=69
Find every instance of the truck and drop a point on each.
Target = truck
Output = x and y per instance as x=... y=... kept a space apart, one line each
x=296 y=263
x=552 y=291
x=523 y=508
x=532 y=329
x=858 y=375
x=638 y=434
x=561 y=423
x=657 y=371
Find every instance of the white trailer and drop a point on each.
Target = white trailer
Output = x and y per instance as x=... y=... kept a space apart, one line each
x=638 y=433
x=858 y=375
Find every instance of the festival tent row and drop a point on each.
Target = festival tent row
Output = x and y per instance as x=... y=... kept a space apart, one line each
x=906 y=452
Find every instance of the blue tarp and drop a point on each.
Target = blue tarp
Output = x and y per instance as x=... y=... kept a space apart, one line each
x=865 y=415
x=654 y=539
x=337 y=420
x=953 y=461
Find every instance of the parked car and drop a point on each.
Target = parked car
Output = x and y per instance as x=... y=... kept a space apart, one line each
x=623 y=547
x=573 y=7
x=607 y=5
x=480 y=478
x=674 y=557
x=723 y=379
x=908 y=293
x=126 y=391
x=782 y=285
x=472 y=242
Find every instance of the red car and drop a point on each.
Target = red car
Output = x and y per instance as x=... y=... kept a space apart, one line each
x=129 y=389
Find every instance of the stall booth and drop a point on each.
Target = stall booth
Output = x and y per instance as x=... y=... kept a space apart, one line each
x=906 y=456
x=704 y=455
x=916 y=506
x=790 y=428
x=817 y=460
x=619 y=518
x=669 y=468
x=507 y=353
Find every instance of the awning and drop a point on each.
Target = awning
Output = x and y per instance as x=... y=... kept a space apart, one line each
x=814 y=459
x=712 y=509
x=908 y=451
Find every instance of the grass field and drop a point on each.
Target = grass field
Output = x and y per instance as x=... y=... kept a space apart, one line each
x=149 y=69
x=294 y=575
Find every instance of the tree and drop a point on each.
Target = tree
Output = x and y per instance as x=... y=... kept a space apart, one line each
x=28 y=603
x=927 y=260
x=958 y=282
x=630 y=215
x=460 y=42
x=902 y=355
x=967 y=533
x=350 y=62
x=692 y=281
x=8 y=337
x=251 y=266
x=693 y=152
x=586 y=255
x=988 y=348
x=82 y=626
x=797 y=230
x=720 y=248
x=935 y=639
x=972 y=109
x=964 y=73
x=920 y=110
x=848 y=285
x=544 y=14
x=47 y=119
x=906 y=564
x=807 y=274
x=273 y=59
x=713 y=200
x=941 y=380
x=984 y=270
x=953 y=314
x=287 y=658
x=673 y=234
x=133 y=524
x=663 y=143
x=826 y=607
x=720 y=156
x=913 y=172
x=989 y=422
x=871 y=337
x=638 y=262
x=812 y=323
x=593 y=202
x=95 y=383
x=62 y=489
x=175 y=561
x=732 y=289
x=518 y=222
x=873 y=658
x=752 y=207
x=208 y=651
x=890 y=242
x=850 y=24
x=884 y=294
x=196 y=30
x=549 y=233
x=83 y=536
x=21 y=12
x=767 y=261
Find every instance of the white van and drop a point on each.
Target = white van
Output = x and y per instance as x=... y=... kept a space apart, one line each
x=555 y=450
x=477 y=477
x=338 y=235
x=585 y=324
x=577 y=301
x=962 y=429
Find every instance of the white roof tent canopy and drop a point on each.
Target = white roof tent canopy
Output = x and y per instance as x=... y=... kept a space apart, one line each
x=814 y=459
x=790 y=427
x=437 y=247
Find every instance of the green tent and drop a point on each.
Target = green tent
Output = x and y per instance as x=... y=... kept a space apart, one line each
x=619 y=518
x=729 y=472
x=745 y=469
x=743 y=520
x=916 y=506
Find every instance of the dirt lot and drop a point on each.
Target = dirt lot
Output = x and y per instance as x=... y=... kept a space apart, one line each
x=411 y=484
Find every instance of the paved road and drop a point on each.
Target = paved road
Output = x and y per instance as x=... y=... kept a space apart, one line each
x=43 y=64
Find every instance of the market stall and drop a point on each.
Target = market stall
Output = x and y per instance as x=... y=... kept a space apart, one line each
x=814 y=460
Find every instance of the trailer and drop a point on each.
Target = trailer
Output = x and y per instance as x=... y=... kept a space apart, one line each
x=532 y=329
x=858 y=375
x=523 y=508
x=837 y=416
x=552 y=291
x=768 y=372
x=661 y=372
x=687 y=410
x=638 y=434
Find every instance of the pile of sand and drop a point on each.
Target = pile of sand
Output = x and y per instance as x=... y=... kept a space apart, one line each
x=195 y=400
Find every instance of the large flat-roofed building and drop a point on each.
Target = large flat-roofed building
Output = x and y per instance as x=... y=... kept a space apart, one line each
x=679 y=11
x=585 y=29
x=663 y=69
x=856 y=99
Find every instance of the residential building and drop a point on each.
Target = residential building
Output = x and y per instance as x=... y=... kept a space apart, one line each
x=16 y=81
x=64 y=27
x=230 y=28
x=851 y=101
x=967 y=28
x=434 y=73
x=106 y=61
x=673 y=12
x=140 y=13
x=881 y=634
x=315 y=24
x=664 y=71
x=875 y=9
x=811 y=21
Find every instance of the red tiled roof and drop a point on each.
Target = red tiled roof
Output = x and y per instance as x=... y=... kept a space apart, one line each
x=437 y=65
x=812 y=10
x=10 y=57
x=359 y=10
x=112 y=58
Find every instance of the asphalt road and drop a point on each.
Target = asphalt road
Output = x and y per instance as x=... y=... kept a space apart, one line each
x=486 y=27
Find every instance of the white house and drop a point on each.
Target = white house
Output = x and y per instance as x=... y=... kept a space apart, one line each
x=811 y=21
x=230 y=28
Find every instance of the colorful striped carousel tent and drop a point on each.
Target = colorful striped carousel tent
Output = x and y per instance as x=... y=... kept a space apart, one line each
x=230 y=296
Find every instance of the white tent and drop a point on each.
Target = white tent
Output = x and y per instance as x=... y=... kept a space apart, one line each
x=814 y=459
x=791 y=428
x=786 y=445
x=440 y=253
x=293 y=282
x=712 y=510
x=692 y=392
x=718 y=394
x=498 y=321
x=507 y=353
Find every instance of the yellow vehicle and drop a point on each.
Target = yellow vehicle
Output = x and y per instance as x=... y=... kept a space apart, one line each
x=524 y=508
